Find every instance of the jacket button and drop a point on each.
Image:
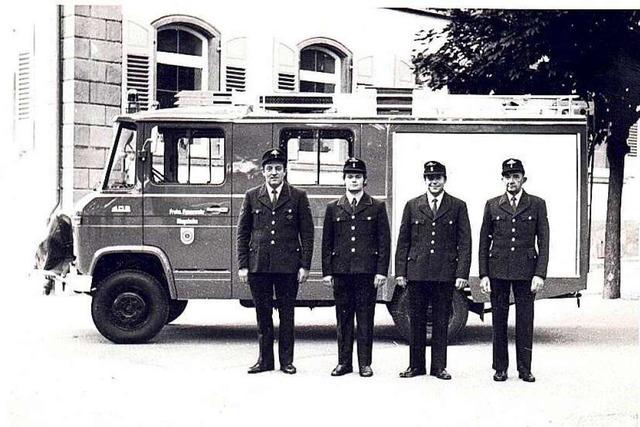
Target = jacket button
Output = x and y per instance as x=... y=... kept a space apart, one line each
x=353 y=238
x=433 y=241
x=273 y=242
x=513 y=220
x=431 y=251
x=433 y=224
x=353 y=249
x=353 y=217
x=273 y=212
x=512 y=249
x=513 y=239
x=273 y=231
x=513 y=230
x=433 y=233
x=417 y=222
x=353 y=227
x=273 y=222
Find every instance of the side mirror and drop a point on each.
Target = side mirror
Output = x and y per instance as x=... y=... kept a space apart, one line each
x=147 y=147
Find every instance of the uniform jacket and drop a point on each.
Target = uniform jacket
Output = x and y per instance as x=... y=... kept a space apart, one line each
x=356 y=243
x=508 y=239
x=275 y=240
x=434 y=248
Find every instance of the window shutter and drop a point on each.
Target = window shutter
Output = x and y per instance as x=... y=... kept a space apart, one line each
x=286 y=67
x=236 y=64
x=139 y=68
x=364 y=71
x=24 y=88
x=403 y=75
x=632 y=141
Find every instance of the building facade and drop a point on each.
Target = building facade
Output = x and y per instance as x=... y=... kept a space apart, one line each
x=75 y=65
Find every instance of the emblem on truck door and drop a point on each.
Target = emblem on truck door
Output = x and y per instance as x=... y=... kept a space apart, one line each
x=187 y=235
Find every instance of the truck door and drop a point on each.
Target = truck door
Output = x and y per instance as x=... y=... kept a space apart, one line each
x=187 y=205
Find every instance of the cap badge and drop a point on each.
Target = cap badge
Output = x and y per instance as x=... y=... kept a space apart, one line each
x=511 y=162
x=274 y=152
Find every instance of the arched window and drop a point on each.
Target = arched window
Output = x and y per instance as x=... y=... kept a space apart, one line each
x=181 y=63
x=187 y=57
x=325 y=66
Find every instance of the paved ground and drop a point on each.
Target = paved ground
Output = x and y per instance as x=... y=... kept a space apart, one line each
x=59 y=371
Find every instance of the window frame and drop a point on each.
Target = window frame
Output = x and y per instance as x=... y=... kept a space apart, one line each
x=190 y=131
x=286 y=134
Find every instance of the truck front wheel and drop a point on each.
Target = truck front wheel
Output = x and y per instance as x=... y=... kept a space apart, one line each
x=399 y=309
x=176 y=308
x=130 y=307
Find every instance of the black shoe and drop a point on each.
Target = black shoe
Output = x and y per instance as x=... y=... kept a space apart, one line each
x=259 y=367
x=441 y=374
x=288 y=369
x=412 y=372
x=500 y=376
x=341 y=370
x=527 y=377
x=366 y=371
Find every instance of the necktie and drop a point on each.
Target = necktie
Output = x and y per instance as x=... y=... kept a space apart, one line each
x=354 y=203
x=513 y=203
x=274 y=197
x=434 y=208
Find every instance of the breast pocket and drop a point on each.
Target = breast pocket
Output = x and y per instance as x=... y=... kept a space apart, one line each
x=259 y=218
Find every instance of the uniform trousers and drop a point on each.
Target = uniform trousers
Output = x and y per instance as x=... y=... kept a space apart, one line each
x=440 y=295
x=286 y=290
x=524 y=298
x=354 y=294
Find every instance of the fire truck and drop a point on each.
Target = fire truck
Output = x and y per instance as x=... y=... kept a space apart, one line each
x=161 y=229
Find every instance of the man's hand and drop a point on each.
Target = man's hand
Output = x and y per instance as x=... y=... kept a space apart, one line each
x=401 y=281
x=243 y=273
x=328 y=281
x=485 y=285
x=461 y=283
x=537 y=283
x=379 y=280
x=303 y=273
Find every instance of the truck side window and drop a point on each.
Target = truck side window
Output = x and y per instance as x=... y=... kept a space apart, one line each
x=316 y=157
x=122 y=171
x=188 y=156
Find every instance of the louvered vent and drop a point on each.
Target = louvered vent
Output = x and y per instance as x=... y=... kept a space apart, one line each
x=633 y=140
x=394 y=101
x=138 y=76
x=23 y=87
x=236 y=79
x=286 y=81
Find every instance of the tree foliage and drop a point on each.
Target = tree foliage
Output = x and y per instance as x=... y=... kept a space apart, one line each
x=590 y=53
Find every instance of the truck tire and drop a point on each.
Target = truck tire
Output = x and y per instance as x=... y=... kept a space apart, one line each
x=130 y=307
x=399 y=309
x=176 y=308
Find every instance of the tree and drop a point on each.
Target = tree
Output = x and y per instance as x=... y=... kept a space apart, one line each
x=593 y=54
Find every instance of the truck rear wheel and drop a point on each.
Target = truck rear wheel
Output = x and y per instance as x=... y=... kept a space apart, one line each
x=130 y=307
x=176 y=308
x=399 y=309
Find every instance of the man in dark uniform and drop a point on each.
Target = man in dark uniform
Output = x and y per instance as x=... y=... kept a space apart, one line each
x=513 y=224
x=275 y=244
x=355 y=260
x=433 y=256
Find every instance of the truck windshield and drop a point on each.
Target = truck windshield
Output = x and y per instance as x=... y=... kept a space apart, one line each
x=122 y=174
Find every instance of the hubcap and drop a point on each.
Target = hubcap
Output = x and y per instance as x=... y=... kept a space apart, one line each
x=129 y=310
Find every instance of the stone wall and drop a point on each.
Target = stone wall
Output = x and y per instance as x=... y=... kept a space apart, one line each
x=91 y=93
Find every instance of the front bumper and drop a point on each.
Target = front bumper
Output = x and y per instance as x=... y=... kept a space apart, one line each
x=68 y=282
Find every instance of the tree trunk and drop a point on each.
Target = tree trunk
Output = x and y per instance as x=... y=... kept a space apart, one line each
x=615 y=155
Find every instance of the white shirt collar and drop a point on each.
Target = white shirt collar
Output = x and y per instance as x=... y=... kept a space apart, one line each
x=357 y=196
x=518 y=196
x=278 y=190
x=430 y=198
